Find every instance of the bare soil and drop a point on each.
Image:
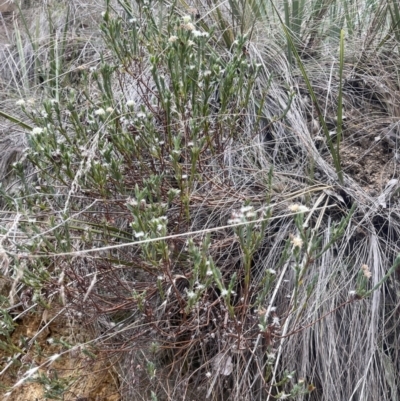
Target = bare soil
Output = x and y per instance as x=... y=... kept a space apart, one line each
x=87 y=379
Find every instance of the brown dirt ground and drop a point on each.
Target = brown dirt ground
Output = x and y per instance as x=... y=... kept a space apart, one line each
x=89 y=380
x=369 y=163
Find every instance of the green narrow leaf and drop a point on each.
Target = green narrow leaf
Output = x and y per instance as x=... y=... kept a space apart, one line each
x=340 y=97
x=15 y=120
x=335 y=155
x=22 y=60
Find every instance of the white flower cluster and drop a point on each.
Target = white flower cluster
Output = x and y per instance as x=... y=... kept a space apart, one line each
x=189 y=26
x=131 y=202
x=198 y=34
x=367 y=273
x=159 y=222
x=187 y=23
x=241 y=216
x=297 y=242
x=37 y=130
x=296 y=208
x=100 y=112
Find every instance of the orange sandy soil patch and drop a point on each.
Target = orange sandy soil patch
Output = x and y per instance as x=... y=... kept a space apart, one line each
x=86 y=379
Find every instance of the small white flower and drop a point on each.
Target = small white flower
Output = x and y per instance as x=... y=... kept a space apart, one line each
x=109 y=109
x=189 y=27
x=140 y=234
x=367 y=273
x=184 y=176
x=297 y=242
x=141 y=115
x=190 y=43
x=294 y=208
x=20 y=102
x=131 y=202
x=245 y=209
x=209 y=273
x=100 y=112
x=208 y=375
x=224 y=292
x=298 y=208
x=186 y=19
x=173 y=39
x=37 y=130
x=207 y=73
x=130 y=103
x=352 y=293
x=272 y=271
x=191 y=294
x=160 y=227
x=205 y=35
x=196 y=33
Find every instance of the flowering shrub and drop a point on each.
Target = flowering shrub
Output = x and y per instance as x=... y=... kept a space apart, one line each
x=139 y=213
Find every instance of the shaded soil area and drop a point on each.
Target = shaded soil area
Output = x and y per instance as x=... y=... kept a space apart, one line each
x=75 y=375
x=371 y=165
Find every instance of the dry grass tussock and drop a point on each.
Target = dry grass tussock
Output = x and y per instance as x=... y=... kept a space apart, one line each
x=168 y=175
